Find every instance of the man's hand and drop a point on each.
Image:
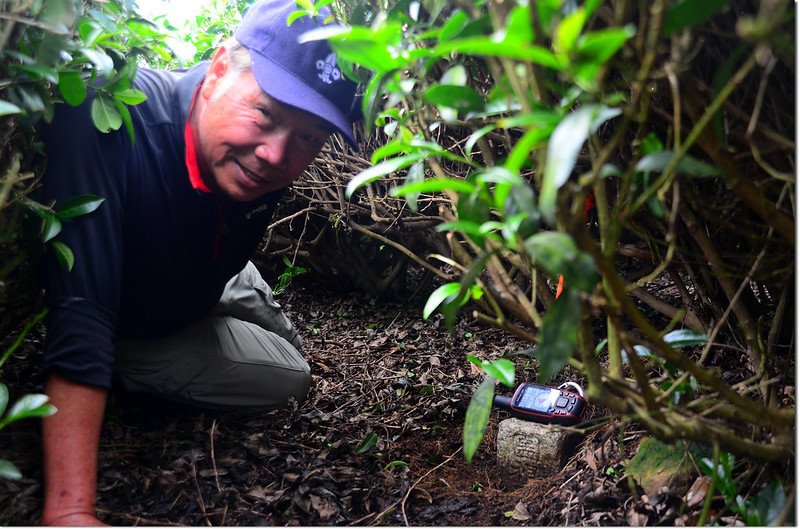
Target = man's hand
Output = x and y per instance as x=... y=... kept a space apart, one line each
x=70 y=440
x=77 y=519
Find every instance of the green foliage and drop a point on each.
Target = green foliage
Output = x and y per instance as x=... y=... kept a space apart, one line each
x=289 y=273
x=55 y=52
x=478 y=411
x=367 y=444
x=28 y=406
x=494 y=204
x=761 y=510
x=197 y=38
x=501 y=369
x=554 y=105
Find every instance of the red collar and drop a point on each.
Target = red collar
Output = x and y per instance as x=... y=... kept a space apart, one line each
x=192 y=164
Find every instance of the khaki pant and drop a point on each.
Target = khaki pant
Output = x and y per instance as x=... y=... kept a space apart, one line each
x=244 y=354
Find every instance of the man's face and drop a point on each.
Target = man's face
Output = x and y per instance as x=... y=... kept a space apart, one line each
x=249 y=142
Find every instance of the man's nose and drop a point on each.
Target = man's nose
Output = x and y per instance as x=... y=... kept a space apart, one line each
x=274 y=148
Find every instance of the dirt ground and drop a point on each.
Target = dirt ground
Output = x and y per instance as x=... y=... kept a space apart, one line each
x=378 y=442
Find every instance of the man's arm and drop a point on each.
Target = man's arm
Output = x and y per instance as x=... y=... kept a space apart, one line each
x=71 y=438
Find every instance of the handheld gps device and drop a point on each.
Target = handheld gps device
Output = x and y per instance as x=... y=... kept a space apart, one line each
x=543 y=404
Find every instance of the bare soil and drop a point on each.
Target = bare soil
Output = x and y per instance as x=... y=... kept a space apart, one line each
x=378 y=442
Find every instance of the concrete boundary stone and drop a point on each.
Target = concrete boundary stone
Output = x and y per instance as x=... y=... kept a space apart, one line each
x=528 y=449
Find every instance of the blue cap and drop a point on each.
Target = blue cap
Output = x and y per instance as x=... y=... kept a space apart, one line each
x=305 y=75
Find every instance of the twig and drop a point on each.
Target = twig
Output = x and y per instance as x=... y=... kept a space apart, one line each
x=136 y=520
x=575 y=475
x=214 y=459
x=200 y=502
x=405 y=498
x=28 y=326
x=408 y=493
x=762 y=87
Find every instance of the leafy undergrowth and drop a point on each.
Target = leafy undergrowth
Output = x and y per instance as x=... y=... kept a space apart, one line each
x=377 y=442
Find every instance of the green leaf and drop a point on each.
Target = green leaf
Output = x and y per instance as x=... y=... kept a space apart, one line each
x=485 y=47
x=684 y=337
x=568 y=31
x=82 y=205
x=547 y=11
x=478 y=412
x=294 y=15
x=50 y=227
x=39 y=71
x=72 y=88
x=416 y=174
x=522 y=202
x=400 y=145
x=770 y=502
x=472 y=228
x=532 y=139
x=3 y=398
x=557 y=253
x=461 y=98
x=30 y=98
x=559 y=334
x=472 y=207
x=438 y=296
x=103 y=63
x=372 y=100
x=63 y=254
x=502 y=369
x=563 y=148
x=455 y=75
x=29 y=406
x=518 y=28
x=130 y=96
x=8 y=470
x=651 y=144
x=658 y=161
x=373 y=49
x=396 y=463
x=125 y=115
x=640 y=350
x=599 y=46
x=476 y=136
x=434 y=185
x=454 y=25
x=105 y=115
x=7 y=108
x=382 y=169
x=368 y=443
x=689 y=13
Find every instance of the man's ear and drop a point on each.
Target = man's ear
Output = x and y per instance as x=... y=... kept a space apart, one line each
x=216 y=71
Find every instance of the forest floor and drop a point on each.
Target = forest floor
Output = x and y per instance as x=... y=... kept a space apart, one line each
x=378 y=441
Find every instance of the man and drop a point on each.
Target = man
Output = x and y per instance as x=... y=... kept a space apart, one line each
x=162 y=295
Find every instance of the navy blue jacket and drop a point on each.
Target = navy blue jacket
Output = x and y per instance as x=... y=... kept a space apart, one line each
x=156 y=255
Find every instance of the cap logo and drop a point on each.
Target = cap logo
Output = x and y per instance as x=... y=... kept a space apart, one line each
x=327 y=70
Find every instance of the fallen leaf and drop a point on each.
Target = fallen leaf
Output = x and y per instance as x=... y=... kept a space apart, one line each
x=325 y=507
x=210 y=473
x=590 y=459
x=521 y=513
x=635 y=519
x=422 y=494
x=697 y=492
x=265 y=495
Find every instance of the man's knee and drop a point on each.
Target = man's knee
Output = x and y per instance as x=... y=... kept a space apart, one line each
x=220 y=363
x=250 y=387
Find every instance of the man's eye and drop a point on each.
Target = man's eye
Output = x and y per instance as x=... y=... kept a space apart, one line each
x=265 y=112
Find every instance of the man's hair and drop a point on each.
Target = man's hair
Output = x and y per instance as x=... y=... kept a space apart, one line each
x=238 y=55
